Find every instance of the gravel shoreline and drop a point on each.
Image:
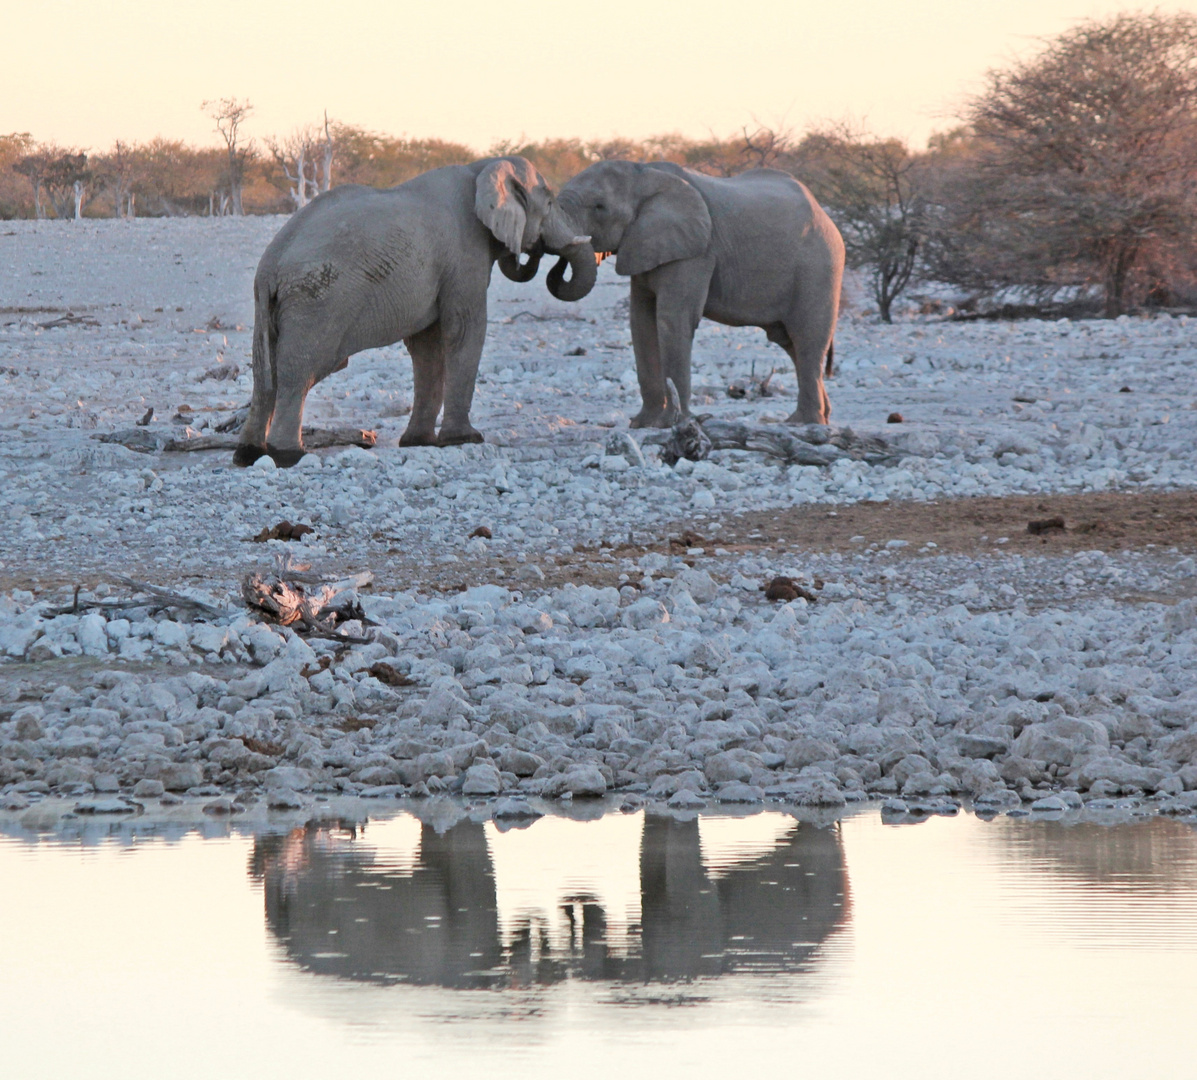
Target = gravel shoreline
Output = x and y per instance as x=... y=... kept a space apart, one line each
x=576 y=652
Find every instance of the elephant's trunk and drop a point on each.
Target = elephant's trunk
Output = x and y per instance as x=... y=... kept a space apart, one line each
x=513 y=270
x=583 y=268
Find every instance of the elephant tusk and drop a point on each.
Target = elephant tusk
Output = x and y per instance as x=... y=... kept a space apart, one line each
x=580 y=240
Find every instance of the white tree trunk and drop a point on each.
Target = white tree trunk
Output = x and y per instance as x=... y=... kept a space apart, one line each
x=79 y=191
x=300 y=180
x=326 y=163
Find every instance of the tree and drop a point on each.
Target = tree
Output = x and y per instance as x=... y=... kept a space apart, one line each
x=229 y=114
x=293 y=155
x=62 y=174
x=306 y=159
x=118 y=172
x=873 y=190
x=1086 y=161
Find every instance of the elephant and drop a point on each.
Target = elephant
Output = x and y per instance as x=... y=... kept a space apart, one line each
x=359 y=268
x=749 y=250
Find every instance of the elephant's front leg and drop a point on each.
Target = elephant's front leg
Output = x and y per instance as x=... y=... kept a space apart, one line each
x=428 y=376
x=679 y=310
x=653 y=399
x=462 y=335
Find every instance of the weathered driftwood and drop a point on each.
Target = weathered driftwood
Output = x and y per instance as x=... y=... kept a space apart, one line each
x=157 y=598
x=314 y=610
x=772 y=439
x=148 y=441
x=686 y=439
x=796 y=444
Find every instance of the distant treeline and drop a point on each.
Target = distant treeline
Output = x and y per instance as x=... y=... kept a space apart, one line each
x=1070 y=184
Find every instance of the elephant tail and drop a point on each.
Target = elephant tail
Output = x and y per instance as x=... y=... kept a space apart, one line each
x=252 y=442
x=829 y=367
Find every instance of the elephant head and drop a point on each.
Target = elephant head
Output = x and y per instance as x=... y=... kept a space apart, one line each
x=646 y=215
x=513 y=201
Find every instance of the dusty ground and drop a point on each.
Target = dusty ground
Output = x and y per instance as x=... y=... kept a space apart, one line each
x=613 y=632
x=1104 y=521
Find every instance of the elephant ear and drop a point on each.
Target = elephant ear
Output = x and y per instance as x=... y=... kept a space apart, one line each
x=671 y=223
x=501 y=203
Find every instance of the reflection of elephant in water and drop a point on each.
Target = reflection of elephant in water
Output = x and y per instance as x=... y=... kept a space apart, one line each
x=765 y=915
x=359 y=268
x=438 y=924
x=435 y=926
x=749 y=250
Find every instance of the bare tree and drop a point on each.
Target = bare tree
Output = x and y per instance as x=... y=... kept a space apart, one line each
x=326 y=157
x=229 y=114
x=765 y=147
x=872 y=189
x=295 y=157
x=118 y=172
x=305 y=158
x=1085 y=162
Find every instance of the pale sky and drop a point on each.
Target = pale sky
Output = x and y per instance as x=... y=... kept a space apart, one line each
x=473 y=72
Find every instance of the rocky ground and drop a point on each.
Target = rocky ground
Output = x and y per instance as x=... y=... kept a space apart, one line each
x=612 y=633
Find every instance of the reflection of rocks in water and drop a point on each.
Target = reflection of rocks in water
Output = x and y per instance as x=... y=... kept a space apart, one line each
x=341 y=909
x=1156 y=856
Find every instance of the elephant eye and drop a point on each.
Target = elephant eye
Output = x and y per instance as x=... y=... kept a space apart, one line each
x=599 y=207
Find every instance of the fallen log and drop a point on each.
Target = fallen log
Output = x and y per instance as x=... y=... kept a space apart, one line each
x=148 y=441
x=772 y=439
x=157 y=599
x=809 y=444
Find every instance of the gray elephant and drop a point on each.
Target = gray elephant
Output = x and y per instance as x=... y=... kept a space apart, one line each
x=359 y=268
x=749 y=250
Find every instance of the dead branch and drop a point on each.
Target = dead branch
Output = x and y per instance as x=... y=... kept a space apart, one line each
x=170 y=597
x=159 y=599
x=289 y=597
x=800 y=444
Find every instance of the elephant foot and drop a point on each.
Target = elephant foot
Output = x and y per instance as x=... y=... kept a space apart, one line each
x=417 y=438
x=246 y=455
x=459 y=438
x=655 y=418
x=284 y=459
x=797 y=417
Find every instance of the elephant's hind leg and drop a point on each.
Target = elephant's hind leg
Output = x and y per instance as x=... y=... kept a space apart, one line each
x=251 y=440
x=285 y=442
x=296 y=373
x=810 y=341
x=428 y=375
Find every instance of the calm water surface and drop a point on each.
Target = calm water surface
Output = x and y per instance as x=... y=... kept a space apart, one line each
x=656 y=947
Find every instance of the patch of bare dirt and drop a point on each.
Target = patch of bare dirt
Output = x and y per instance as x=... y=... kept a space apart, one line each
x=1108 y=521
x=1105 y=521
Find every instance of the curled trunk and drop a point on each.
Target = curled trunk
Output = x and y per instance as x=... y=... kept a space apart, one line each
x=513 y=270
x=583 y=267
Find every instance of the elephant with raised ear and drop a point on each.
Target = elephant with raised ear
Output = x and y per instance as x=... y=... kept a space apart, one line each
x=748 y=250
x=359 y=268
